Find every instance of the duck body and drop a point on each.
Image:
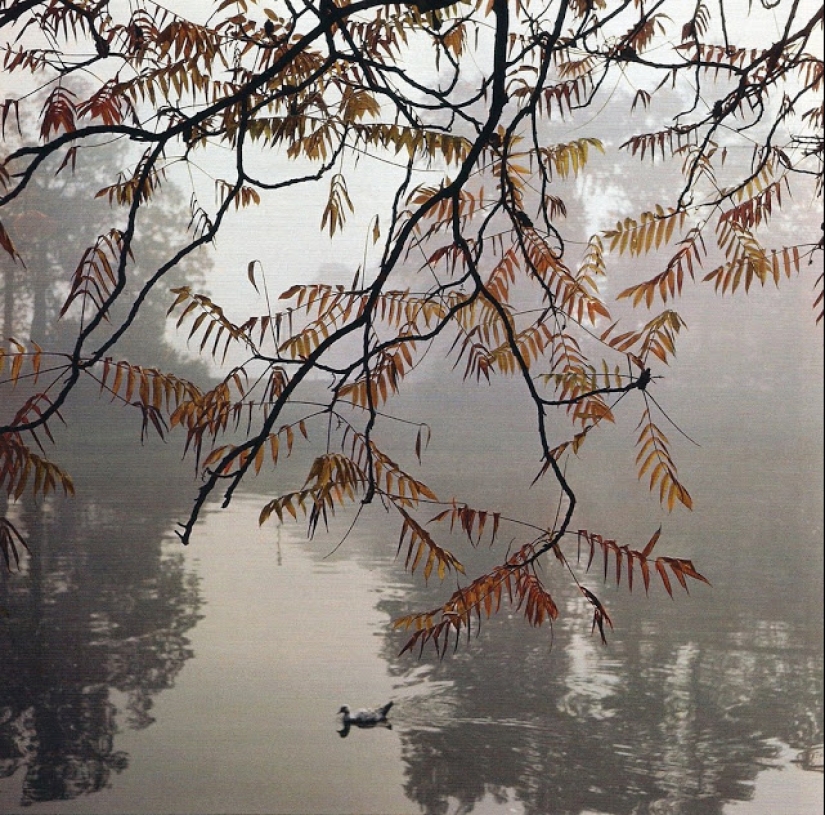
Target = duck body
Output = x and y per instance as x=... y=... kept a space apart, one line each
x=366 y=717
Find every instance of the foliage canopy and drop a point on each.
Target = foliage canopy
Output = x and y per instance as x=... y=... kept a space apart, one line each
x=475 y=120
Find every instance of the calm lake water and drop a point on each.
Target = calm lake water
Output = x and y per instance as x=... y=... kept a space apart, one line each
x=140 y=677
x=208 y=681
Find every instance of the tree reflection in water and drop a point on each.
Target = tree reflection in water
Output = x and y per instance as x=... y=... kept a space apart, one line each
x=100 y=608
x=668 y=719
x=678 y=714
x=691 y=698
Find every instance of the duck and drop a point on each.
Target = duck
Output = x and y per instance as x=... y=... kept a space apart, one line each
x=367 y=717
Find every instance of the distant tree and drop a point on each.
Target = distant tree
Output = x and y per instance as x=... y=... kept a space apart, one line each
x=472 y=122
x=59 y=216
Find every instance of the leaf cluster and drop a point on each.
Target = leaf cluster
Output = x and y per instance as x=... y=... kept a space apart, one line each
x=474 y=257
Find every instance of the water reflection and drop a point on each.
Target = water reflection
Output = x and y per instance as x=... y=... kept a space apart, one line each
x=675 y=716
x=100 y=611
x=344 y=729
x=684 y=709
x=650 y=725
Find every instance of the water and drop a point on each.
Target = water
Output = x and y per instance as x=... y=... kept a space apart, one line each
x=140 y=677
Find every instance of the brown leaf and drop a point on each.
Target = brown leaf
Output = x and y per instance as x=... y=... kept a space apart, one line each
x=660 y=567
x=651 y=543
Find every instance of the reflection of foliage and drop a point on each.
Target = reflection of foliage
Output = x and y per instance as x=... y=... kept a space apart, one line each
x=98 y=610
x=682 y=710
x=138 y=653
x=584 y=729
x=57 y=770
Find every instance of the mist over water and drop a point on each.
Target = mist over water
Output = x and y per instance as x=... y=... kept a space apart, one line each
x=141 y=677
x=137 y=676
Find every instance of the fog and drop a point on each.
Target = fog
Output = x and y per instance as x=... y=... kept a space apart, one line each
x=139 y=675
